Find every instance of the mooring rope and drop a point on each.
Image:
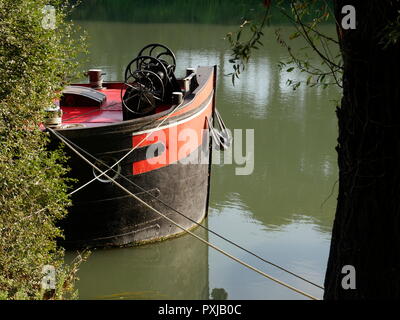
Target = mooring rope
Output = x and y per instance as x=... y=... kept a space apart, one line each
x=194 y=221
x=130 y=151
x=59 y=136
x=178 y=107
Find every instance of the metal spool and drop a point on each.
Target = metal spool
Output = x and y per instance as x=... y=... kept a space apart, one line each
x=143 y=89
x=149 y=81
x=162 y=53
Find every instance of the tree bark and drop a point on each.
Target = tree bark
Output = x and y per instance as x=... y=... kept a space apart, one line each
x=366 y=230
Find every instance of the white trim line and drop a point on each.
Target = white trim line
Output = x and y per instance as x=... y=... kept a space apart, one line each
x=174 y=123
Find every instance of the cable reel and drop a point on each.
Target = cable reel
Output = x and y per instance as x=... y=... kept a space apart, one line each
x=162 y=53
x=143 y=89
x=149 y=81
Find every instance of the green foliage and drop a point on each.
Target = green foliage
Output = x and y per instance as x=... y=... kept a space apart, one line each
x=390 y=35
x=167 y=11
x=35 y=64
x=241 y=49
x=306 y=16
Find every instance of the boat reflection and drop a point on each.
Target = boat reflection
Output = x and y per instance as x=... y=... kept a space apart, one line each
x=172 y=269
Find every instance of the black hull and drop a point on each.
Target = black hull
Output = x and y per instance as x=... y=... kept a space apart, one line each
x=119 y=220
x=103 y=214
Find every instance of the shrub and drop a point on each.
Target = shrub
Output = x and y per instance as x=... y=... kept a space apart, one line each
x=37 y=58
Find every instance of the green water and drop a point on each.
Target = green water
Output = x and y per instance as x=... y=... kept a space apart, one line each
x=283 y=211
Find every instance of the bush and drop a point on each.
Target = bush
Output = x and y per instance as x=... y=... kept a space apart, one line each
x=36 y=60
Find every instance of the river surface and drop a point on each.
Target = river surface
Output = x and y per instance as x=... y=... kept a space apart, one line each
x=283 y=210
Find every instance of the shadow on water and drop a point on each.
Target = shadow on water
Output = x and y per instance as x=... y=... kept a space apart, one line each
x=172 y=269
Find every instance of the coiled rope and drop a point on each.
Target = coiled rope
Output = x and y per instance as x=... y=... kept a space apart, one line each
x=59 y=136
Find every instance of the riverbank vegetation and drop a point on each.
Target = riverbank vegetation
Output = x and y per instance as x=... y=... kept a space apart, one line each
x=219 y=12
x=38 y=50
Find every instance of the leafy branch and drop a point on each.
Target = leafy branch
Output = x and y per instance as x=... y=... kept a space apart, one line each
x=305 y=16
x=242 y=50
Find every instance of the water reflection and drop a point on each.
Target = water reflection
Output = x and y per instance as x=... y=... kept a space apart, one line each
x=260 y=75
x=291 y=244
x=283 y=211
x=173 y=269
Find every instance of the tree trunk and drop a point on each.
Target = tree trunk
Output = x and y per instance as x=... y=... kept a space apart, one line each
x=366 y=230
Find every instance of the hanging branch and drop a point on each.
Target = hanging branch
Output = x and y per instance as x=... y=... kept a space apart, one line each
x=316 y=40
x=309 y=32
x=241 y=51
